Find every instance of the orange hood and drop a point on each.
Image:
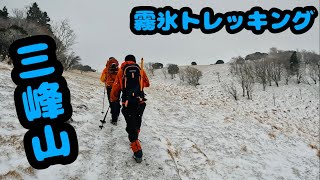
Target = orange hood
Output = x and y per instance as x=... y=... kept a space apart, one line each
x=126 y=63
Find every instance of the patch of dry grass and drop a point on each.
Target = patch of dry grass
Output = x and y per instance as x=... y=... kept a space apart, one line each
x=272 y=135
x=11 y=175
x=15 y=141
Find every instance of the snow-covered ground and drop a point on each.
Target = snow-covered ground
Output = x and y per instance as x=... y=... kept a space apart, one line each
x=187 y=132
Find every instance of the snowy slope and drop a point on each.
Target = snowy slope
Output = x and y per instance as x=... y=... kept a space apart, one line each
x=187 y=133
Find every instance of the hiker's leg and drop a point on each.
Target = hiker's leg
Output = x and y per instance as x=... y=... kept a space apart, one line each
x=130 y=117
x=108 y=93
x=141 y=109
x=115 y=110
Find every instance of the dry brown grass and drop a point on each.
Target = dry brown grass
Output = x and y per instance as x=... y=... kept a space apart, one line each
x=272 y=135
x=13 y=141
x=174 y=153
x=11 y=175
x=244 y=148
x=4 y=69
x=74 y=178
x=312 y=146
x=29 y=170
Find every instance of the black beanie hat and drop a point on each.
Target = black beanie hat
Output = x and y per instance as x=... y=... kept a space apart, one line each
x=130 y=58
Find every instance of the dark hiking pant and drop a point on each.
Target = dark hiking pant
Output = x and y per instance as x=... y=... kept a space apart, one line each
x=115 y=106
x=133 y=117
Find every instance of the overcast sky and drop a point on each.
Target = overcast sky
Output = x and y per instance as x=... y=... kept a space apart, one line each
x=102 y=29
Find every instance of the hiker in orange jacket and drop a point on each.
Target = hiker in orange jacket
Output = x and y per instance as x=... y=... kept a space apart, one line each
x=108 y=77
x=130 y=81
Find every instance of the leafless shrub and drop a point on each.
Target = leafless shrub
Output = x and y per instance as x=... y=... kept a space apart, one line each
x=150 y=69
x=19 y=13
x=260 y=70
x=287 y=75
x=277 y=70
x=237 y=69
x=218 y=75
x=249 y=79
x=192 y=75
x=280 y=61
x=182 y=75
x=314 y=73
x=164 y=72
x=231 y=89
x=62 y=30
x=312 y=61
x=244 y=72
x=269 y=72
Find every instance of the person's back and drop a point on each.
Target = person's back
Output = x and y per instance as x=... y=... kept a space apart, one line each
x=131 y=80
x=108 y=77
x=110 y=72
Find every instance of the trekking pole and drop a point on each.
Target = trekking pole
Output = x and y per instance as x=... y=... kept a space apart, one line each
x=141 y=81
x=104 y=119
x=104 y=96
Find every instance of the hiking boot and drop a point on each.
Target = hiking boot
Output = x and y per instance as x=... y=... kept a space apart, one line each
x=113 y=122
x=138 y=156
x=137 y=151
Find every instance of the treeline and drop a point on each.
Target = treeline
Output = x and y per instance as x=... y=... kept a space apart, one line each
x=33 y=21
x=272 y=68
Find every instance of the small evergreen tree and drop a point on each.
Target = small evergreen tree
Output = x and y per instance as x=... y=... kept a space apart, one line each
x=35 y=14
x=4 y=13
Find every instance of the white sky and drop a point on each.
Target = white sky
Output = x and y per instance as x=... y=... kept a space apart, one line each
x=102 y=29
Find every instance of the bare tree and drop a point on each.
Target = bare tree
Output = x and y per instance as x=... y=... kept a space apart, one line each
x=310 y=57
x=249 y=79
x=71 y=61
x=65 y=39
x=276 y=70
x=192 y=75
x=164 y=72
x=182 y=75
x=269 y=71
x=314 y=73
x=260 y=69
x=62 y=30
x=150 y=68
x=280 y=61
x=287 y=75
x=19 y=13
x=312 y=60
x=218 y=75
x=231 y=89
x=237 y=69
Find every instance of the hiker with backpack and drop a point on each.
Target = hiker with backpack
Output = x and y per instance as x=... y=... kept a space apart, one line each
x=130 y=80
x=108 y=77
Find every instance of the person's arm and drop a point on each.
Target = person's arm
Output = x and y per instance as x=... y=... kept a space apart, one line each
x=116 y=87
x=103 y=75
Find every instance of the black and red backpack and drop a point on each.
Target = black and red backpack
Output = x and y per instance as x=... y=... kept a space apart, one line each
x=131 y=80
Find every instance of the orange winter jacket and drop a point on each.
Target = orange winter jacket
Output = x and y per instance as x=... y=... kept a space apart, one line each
x=109 y=77
x=118 y=86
